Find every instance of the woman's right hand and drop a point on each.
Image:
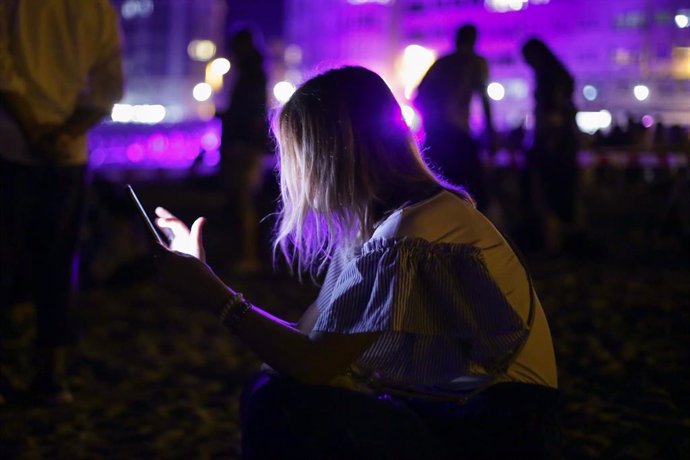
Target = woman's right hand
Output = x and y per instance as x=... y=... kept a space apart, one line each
x=190 y=278
x=182 y=238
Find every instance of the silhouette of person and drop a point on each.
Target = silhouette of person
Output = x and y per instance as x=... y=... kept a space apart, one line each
x=245 y=140
x=443 y=98
x=552 y=160
x=60 y=73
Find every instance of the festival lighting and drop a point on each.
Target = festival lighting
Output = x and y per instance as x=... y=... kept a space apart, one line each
x=220 y=66
x=146 y=113
x=496 y=91
x=641 y=92
x=416 y=60
x=501 y=6
x=211 y=158
x=202 y=91
x=647 y=121
x=682 y=19
x=283 y=91
x=590 y=92
x=591 y=122
x=122 y=113
x=201 y=50
x=136 y=8
x=215 y=71
x=362 y=2
x=210 y=141
x=412 y=119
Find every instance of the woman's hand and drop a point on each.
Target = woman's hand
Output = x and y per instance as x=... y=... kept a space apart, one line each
x=190 y=278
x=182 y=238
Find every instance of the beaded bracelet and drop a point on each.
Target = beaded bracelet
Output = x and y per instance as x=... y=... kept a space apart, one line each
x=233 y=310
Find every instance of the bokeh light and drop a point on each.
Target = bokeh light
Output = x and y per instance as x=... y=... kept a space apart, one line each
x=591 y=122
x=202 y=91
x=647 y=121
x=131 y=9
x=641 y=92
x=283 y=90
x=144 y=113
x=201 y=50
x=496 y=91
x=590 y=92
x=411 y=117
x=416 y=60
x=220 y=66
x=682 y=20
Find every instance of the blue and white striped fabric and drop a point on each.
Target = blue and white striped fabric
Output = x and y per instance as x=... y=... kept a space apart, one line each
x=440 y=312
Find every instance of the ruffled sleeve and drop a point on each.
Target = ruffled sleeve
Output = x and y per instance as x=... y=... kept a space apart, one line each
x=412 y=287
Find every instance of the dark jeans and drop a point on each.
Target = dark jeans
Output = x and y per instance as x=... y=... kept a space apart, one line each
x=41 y=210
x=283 y=419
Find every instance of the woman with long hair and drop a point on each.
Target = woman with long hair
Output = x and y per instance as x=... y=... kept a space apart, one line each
x=426 y=340
x=552 y=172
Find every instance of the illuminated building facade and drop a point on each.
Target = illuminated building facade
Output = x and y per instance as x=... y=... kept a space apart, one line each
x=164 y=120
x=629 y=57
x=162 y=64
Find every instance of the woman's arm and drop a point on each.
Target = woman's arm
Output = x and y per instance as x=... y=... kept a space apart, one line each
x=314 y=358
x=311 y=357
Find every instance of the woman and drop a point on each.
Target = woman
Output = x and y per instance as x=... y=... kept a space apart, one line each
x=552 y=160
x=426 y=340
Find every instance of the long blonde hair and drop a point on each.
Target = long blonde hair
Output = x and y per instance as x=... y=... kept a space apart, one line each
x=345 y=154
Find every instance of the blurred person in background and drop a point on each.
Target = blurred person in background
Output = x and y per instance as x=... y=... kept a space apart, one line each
x=444 y=98
x=244 y=141
x=60 y=74
x=427 y=339
x=552 y=171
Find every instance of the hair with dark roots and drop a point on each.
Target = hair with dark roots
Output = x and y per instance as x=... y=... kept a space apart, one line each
x=345 y=152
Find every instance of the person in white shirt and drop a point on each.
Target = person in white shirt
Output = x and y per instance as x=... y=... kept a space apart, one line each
x=427 y=339
x=60 y=74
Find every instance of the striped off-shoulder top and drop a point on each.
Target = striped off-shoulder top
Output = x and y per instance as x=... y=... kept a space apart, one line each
x=448 y=296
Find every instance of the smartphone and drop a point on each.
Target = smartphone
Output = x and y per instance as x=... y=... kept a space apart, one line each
x=153 y=231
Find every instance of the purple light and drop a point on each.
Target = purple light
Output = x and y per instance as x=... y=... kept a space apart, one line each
x=177 y=146
x=502 y=159
x=157 y=143
x=135 y=153
x=647 y=121
x=211 y=158
x=97 y=157
x=171 y=147
x=210 y=141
